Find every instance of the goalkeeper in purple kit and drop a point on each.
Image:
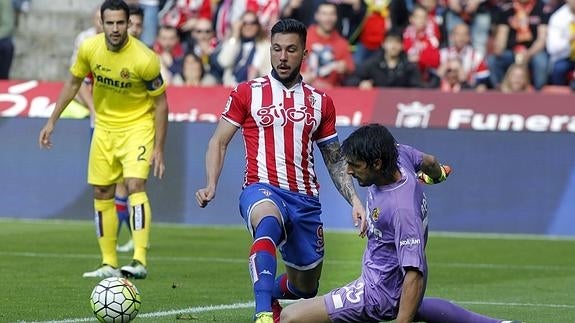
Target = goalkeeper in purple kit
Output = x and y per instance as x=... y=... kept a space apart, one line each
x=394 y=271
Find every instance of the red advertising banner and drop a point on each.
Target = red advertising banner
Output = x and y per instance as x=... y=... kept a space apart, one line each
x=492 y=111
x=28 y=98
x=402 y=108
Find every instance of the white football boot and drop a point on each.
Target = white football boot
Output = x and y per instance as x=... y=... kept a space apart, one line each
x=134 y=270
x=103 y=272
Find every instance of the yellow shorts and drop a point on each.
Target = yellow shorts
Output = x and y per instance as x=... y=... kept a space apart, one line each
x=120 y=154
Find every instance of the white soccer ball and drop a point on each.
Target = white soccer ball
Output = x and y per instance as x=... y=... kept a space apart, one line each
x=114 y=300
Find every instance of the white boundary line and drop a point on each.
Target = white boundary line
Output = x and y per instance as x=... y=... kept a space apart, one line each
x=201 y=309
x=515 y=304
x=461 y=235
x=327 y=261
x=235 y=306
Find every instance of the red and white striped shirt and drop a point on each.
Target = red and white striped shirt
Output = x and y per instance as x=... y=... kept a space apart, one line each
x=279 y=127
x=473 y=63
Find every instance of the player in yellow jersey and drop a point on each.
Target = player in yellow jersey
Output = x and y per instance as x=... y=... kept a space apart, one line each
x=129 y=134
x=121 y=197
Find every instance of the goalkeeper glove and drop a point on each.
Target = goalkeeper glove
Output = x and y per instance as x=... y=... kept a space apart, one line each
x=424 y=178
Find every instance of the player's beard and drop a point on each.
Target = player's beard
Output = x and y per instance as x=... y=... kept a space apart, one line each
x=116 y=45
x=289 y=80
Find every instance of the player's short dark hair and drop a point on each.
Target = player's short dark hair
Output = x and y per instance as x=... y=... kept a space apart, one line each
x=136 y=11
x=370 y=143
x=115 y=5
x=290 y=26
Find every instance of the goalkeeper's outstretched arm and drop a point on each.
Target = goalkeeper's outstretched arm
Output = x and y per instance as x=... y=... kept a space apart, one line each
x=432 y=172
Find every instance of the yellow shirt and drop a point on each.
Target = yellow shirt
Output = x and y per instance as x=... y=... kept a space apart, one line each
x=125 y=82
x=572 y=31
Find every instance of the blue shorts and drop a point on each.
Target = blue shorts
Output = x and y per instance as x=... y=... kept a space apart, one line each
x=302 y=246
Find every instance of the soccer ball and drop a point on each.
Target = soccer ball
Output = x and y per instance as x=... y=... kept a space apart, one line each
x=114 y=300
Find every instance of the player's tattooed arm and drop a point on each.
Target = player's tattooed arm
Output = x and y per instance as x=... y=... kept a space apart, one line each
x=337 y=167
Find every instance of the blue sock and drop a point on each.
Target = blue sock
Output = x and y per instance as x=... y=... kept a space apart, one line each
x=263 y=262
x=123 y=211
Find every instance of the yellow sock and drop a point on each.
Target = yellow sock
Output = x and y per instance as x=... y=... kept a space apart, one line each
x=140 y=220
x=107 y=230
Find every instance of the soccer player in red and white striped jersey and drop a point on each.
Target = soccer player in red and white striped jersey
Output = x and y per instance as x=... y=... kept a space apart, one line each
x=280 y=126
x=281 y=118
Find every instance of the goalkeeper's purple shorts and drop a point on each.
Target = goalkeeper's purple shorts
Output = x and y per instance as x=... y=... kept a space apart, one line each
x=356 y=302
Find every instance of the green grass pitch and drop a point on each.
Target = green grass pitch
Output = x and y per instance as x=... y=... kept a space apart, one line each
x=199 y=274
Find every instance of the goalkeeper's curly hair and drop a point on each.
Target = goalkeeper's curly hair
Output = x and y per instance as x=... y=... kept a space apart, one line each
x=370 y=143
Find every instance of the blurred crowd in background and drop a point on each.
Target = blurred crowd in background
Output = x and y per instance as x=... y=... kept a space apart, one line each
x=449 y=45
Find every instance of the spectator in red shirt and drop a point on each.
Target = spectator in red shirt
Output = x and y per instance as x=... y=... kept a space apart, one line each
x=329 y=56
x=421 y=42
x=376 y=23
x=436 y=9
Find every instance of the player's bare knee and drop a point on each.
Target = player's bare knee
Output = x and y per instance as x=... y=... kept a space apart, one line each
x=135 y=185
x=263 y=210
x=104 y=192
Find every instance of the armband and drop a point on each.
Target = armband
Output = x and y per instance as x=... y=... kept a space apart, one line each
x=445 y=171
